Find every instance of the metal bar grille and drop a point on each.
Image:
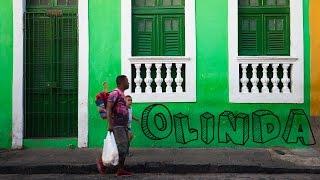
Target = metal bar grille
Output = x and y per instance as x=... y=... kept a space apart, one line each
x=51 y=75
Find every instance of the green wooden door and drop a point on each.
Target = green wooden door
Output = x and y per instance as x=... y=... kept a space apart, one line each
x=51 y=71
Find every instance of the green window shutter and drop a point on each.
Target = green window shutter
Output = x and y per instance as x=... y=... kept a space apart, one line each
x=171 y=3
x=68 y=52
x=264 y=27
x=39 y=55
x=249 y=3
x=158 y=28
x=158 y=3
x=38 y=73
x=144 y=35
x=39 y=3
x=250 y=35
x=67 y=73
x=276 y=2
x=67 y=2
x=172 y=39
x=277 y=35
x=50 y=3
x=144 y=3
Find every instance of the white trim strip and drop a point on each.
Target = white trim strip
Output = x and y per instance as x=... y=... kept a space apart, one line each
x=17 y=75
x=126 y=38
x=265 y=59
x=83 y=73
x=160 y=59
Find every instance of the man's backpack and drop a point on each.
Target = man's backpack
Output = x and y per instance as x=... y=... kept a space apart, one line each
x=101 y=102
x=102 y=99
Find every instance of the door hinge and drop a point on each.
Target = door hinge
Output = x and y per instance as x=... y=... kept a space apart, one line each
x=54 y=12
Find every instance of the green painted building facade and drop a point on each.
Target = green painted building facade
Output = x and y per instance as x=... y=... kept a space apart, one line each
x=215 y=112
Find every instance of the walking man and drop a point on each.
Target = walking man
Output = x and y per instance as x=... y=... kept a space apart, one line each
x=118 y=116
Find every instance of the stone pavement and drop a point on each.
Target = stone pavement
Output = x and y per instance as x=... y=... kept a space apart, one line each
x=180 y=161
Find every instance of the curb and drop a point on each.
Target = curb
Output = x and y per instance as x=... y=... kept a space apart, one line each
x=156 y=167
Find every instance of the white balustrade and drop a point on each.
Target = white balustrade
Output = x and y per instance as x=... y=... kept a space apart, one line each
x=266 y=79
x=263 y=71
x=152 y=76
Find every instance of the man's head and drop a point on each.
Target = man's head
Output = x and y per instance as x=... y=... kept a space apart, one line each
x=122 y=82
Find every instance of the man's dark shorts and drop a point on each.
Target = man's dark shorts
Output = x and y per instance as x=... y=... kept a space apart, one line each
x=122 y=140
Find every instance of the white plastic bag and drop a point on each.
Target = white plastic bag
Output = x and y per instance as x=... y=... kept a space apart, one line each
x=110 y=155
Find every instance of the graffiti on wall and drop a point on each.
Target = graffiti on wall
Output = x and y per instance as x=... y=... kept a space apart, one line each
x=158 y=123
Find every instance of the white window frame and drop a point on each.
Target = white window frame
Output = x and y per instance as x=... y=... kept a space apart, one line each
x=18 y=8
x=190 y=55
x=296 y=58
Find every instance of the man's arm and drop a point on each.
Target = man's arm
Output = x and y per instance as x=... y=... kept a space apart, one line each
x=109 y=108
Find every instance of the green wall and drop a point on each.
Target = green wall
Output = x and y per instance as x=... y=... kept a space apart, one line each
x=212 y=75
x=6 y=73
x=104 y=63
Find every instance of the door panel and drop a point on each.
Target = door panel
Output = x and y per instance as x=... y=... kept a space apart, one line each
x=51 y=72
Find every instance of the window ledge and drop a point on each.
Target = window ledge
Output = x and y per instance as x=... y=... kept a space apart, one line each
x=261 y=59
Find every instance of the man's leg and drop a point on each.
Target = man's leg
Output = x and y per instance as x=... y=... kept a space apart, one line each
x=121 y=162
x=121 y=137
x=130 y=137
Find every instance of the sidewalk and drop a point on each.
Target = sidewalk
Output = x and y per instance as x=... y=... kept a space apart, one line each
x=82 y=161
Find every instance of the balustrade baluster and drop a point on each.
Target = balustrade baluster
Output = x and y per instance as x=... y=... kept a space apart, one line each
x=168 y=78
x=275 y=80
x=138 y=79
x=158 y=78
x=148 y=80
x=285 y=80
x=254 y=80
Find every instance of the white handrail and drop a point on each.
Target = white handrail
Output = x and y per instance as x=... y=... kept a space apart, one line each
x=158 y=59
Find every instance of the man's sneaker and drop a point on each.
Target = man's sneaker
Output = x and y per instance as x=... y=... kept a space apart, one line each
x=101 y=168
x=122 y=172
